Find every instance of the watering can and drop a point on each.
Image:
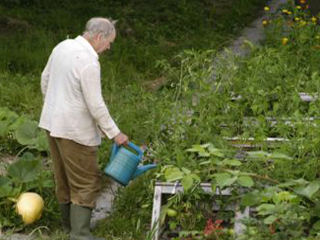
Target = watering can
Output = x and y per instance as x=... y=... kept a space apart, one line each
x=123 y=164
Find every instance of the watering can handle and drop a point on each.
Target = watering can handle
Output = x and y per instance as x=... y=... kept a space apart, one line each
x=115 y=148
x=136 y=148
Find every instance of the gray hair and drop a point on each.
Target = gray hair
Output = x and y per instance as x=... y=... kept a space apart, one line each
x=99 y=25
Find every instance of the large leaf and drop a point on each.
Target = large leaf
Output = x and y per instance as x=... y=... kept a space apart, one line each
x=29 y=134
x=26 y=133
x=27 y=156
x=225 y=179
x=245 y=181
x=5 y=187
x=187 y=182
x=4 y=128
x=309 y=190
x=15 y=125
x=24 y=171
x=251 y=199
x=7 y=114
x=41 y=142
x=173 y=174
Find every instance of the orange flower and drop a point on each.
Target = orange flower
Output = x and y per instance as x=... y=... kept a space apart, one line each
x=303 y=1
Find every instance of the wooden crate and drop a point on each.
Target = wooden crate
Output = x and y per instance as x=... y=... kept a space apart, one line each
x=173 y=188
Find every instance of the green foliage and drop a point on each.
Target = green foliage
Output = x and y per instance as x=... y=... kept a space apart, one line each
x=26 y=173
x=16 y=130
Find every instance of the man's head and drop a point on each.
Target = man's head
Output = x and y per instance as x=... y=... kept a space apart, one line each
x=100 y=32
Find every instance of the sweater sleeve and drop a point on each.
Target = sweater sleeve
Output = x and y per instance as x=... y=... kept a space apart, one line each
x=90 y=82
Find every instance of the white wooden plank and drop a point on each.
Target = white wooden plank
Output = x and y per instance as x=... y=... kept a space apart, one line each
x=238 y=226
x=155 y=224
x=173 y=188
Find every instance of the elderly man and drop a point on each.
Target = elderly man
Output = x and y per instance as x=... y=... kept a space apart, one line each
x=76 y=117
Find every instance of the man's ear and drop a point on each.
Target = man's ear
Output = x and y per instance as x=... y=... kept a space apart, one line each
x=98 y=37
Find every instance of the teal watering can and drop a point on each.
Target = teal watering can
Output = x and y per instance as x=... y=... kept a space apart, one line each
x=123 y=164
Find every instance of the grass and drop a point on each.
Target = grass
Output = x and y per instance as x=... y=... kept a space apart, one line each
x=146 y=32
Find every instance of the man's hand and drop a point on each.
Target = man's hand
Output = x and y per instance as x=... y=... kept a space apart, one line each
x=121 y=139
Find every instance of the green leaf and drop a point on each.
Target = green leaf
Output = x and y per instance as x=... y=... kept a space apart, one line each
x=316 y=225
x=196 y=148
x=258 y=155
x=265 y=209
x=206 y=145
x=203 y=154
x=24 y=171
x=195 y=177
x=269 y=220
x=7 y=114
x=245 y=181
x=234 y=172
x=290 y=183
x=280 y=156
x=251 y=199
x=185 y=170
x=5 y=187
x=41 y=142
x=4 y=128
x=26 y=133
x=173 y=174
x=187 y=182
x=214 y=188
x=283 y=196
x=15 y=125
x=27 y=156
x=231 y=162
x=205 y=162
x=215 y=152
x=309 y=190
x=225 y=179
x=199 y=149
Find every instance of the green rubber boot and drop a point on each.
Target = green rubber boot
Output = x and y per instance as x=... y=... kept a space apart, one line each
x=65 y=216
x=80 y=223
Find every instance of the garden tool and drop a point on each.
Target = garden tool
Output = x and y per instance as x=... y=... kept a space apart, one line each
x=123 y=164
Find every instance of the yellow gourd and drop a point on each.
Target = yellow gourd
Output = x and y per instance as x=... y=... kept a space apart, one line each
x=29 y=206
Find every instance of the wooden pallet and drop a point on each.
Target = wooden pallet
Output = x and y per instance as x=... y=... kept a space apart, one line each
x=173 y=188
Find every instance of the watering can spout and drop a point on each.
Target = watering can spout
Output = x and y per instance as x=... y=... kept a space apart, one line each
x=141 y=169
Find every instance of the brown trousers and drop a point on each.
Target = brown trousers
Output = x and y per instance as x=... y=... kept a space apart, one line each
x=76 y=172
